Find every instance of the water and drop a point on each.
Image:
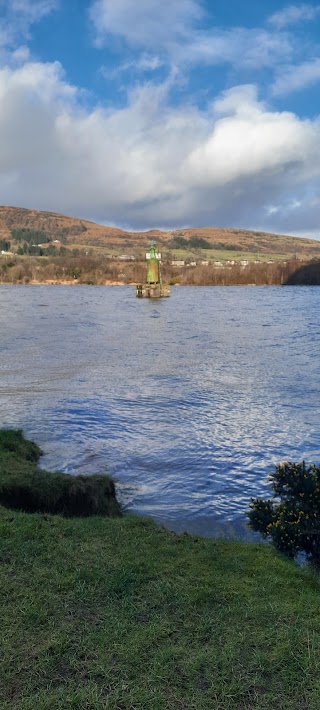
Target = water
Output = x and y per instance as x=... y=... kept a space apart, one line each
x=187 y=402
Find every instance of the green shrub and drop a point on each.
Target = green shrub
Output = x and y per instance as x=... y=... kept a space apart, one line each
x=199 y=243
x=24 y=486
x=291 y=519
x=178 y=242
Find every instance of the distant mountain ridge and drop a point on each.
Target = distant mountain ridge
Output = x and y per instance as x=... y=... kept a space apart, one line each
x=74 y=231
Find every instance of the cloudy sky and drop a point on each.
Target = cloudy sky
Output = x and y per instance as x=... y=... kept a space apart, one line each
x=143 y=113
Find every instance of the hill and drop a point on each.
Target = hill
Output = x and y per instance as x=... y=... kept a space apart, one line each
x=83 y=233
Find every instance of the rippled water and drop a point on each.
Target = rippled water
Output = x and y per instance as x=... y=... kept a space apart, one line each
x=187 y=402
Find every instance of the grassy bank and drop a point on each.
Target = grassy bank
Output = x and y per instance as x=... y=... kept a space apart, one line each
x=25 y=486
x=118 y=613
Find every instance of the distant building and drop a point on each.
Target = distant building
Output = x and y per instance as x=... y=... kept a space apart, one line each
x=158 y=256
x=178 y=262
x=205 y=263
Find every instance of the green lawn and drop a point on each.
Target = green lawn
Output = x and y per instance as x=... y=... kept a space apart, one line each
x=118 y=613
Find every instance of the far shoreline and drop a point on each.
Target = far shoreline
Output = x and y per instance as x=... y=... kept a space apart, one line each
x=122 y=283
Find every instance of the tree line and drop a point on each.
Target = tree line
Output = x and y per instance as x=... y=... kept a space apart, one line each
x=93 y=269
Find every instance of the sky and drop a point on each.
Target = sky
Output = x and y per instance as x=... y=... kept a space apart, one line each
x=142 y=114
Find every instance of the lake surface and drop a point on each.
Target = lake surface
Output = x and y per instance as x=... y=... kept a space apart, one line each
x=187 y=402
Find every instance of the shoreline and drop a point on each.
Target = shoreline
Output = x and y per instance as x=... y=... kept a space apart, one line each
x=51 y=282
x=115 y=611
x=89 y=271
x=64 y=282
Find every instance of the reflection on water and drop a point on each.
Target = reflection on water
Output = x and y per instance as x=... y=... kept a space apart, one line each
x=188 y=402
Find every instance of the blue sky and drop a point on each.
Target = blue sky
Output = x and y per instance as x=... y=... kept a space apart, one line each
x=148 y=114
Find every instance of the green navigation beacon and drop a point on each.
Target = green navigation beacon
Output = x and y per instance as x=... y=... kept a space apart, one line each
x=153 y=288
x=153 y=267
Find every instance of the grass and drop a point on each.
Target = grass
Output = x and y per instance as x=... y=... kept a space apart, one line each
x=118 y=613
x=192 y=254
x=224 y=255
x=228 y=255
x=24 y=486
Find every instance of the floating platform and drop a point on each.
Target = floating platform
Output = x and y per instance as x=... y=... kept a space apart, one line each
x=152 y=291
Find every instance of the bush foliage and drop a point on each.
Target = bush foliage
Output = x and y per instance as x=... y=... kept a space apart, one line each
x=24 y=486
x=195 y=242
x=291 y=519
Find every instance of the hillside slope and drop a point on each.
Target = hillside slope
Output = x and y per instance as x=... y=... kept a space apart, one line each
x=73 y=231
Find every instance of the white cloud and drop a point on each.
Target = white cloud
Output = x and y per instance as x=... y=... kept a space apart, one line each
x=239 y=100
x=31 y=10
x=249 y=141
x=21 y=54
x=294 y=14
x=147 y=23
x=148 y=62
x=249 y=48
x=295 y=78
x=171 y=30
x=144 y=63
x=19 y=15
x=149 y=164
